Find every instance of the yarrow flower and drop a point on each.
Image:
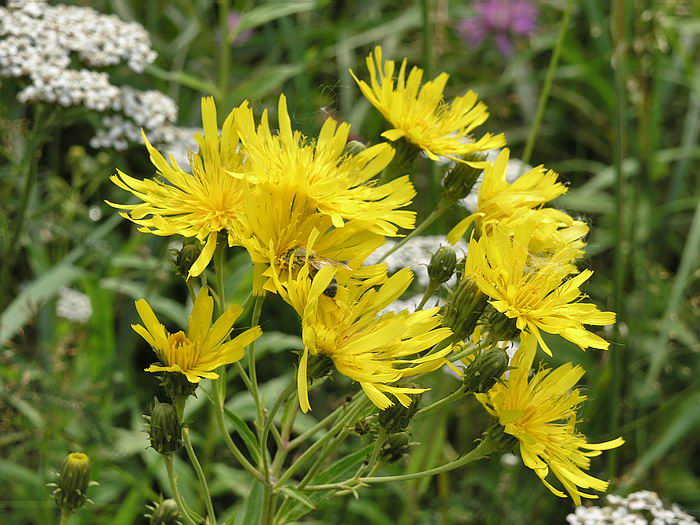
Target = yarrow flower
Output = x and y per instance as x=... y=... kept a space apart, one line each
x=541 y=413
x=372 y=349
x=502 y=19
x=199 y=204
x=200 y=350
x=538 y=293
x=511 y=206
x=420 y=114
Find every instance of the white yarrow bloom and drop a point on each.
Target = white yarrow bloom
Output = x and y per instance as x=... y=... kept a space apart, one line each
x=73 y=305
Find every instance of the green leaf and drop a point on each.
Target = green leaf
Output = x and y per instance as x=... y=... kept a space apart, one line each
x=190 y=81
x=251 y=510
x=24 y=307
x=274 y=10
x=169 y=308
x=299 y=496
x=246 y=434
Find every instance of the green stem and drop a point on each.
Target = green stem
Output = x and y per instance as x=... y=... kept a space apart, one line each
x=219 y=405
x=471 y=349
x=544 y=95
x=168 y=458
x=318 y=426
x=219 y=262
x=429 y=291
x=255 y=319
x=65 y=517
x=268 y=506
x=484 y=448
x=454 y=396
x=200 y=474
x=291 y=387
x=442 y=206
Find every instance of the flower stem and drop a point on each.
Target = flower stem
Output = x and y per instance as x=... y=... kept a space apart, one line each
x=457 y=394
x=168 y=458
x=200 y=474
x=429 y=291
x=219 y=262
x=442 y=206
x=291 y=387
x=65 y=517
x=544 y=95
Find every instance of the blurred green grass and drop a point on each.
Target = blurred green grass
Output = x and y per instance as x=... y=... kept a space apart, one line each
x=629 y=150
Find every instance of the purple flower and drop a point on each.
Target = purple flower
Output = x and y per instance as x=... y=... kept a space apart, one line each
x=501 y=19
x=234 y=20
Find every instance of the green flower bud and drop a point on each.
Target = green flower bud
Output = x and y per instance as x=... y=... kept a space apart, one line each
x=464 y=309
x=176 y=385
x=397 y=417
x=353 y=148
x=164 y=428
x=485 y=370
x=442 y=265
x=499 y=440
x=185 y=258
x=165 y=513
x=460 y=180
x=498 y=326
x=73 y=481
x=395 y=447
x=319 y=366
x=362 y=427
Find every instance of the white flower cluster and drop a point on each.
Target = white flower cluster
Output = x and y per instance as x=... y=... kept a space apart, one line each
x=73 y=305
x=416 y=255
x=38 y=43
x=639 y=508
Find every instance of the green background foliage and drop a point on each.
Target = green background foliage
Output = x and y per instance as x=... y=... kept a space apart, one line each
x=621 y=125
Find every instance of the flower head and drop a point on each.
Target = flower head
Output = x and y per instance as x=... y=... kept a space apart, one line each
x=203 y=347
x=538 y=293
x=199 y=204
x=541 y=414
x=420 y=113
x=502 y=19
x=512 y=206
x=372 y=349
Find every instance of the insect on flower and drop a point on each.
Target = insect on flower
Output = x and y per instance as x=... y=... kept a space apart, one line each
x=297 y=257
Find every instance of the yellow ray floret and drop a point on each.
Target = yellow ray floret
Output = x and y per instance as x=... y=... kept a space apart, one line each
x=203 y=348
x=420 y=113
x=541 y=413
x=537 y=292
x=340 y=186
x=198 y=204
x=373 y=349
x=509 y=206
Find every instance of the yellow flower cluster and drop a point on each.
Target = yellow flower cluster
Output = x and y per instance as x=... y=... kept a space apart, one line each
x=309 y=213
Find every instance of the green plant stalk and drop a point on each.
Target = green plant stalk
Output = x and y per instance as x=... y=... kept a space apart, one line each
x=454 y=396
x=356 y=406
x=200 y=475
x=547 y=86
x=224 y=47
x=219 y=263
x=318 y=426
x=168 y=458
x=484 y=448
x=65 y=517
x=621 y=241
x=429 y=291
x=472 y=349
x=441 y=208
x=288 y=417
x=253 y=375
x=291 y=387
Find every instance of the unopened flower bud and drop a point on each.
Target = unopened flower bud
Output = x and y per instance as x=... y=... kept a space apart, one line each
x=464 y=309
x=176 y=385
x=164 y=428
x=498 y=326
x=498 y=439
x=74 y=479
x=165 y=513
x=395 y=447
x=442 y=265
x=185 y=258
x=353 y=148
x=362 y=427
x=486 y=369
x=397 y=417
x=460 y=180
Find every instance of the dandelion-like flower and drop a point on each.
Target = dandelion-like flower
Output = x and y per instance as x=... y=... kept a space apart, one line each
x=539 y=293
x=541 y=413
x=511 y=206
x=203 y=347
x=420 y=114
x=372 y=349
x=199 y=204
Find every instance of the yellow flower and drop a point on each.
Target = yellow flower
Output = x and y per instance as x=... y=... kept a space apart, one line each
x=509 y=206
x=331 y=183
x=371 y=348
x=198 y=204
x=203 y=348
x=535 y=291
x=541 y=414
x=421 y=115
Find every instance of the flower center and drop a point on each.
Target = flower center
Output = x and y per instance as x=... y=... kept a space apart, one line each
x=181 y=351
